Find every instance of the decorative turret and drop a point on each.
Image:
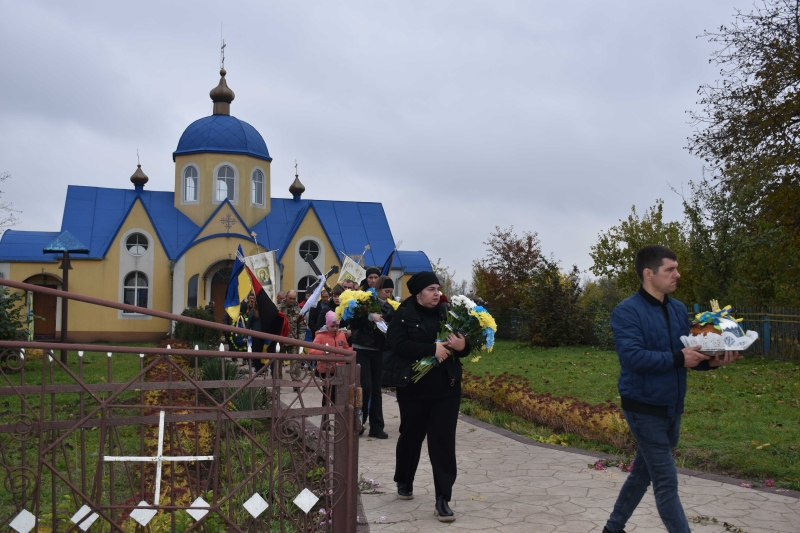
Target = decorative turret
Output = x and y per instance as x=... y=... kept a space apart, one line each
x=222 y=96
x=297 y=188
x=139 y=178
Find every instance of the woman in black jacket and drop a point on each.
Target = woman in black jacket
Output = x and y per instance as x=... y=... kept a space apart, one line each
x=428 y=408
x=369 y=343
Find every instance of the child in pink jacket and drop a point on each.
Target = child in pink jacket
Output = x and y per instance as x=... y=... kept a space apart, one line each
x=330 y=336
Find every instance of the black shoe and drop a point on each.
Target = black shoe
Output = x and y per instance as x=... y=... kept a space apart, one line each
x=361 y=432
x=443 y=511
x=606 y=530
x=381 y=435
x=404 y=493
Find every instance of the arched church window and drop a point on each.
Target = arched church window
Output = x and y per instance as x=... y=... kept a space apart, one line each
x=302 y=285
x=257 y=188
x=309 y=247
x=136 y=244
x=135 y=290
x=226 y=183
x=191 y=292
x=190 y=184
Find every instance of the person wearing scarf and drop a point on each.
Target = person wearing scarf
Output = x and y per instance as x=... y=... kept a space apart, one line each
x=428 y=408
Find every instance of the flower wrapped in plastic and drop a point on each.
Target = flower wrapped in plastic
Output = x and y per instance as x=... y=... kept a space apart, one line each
x=467 y=318
x=356 y=304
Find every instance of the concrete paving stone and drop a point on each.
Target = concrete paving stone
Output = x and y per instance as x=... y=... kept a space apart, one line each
x=715 y=510
x=578 y=492
x=404 y=527
x=545 y=482
x=697 y=489
x=576 y=526
x=595 y=503
x=566 y=475
x=526 y=528
x=507 y=486
x=565 y=508
x=516 y=508
x=545 y=518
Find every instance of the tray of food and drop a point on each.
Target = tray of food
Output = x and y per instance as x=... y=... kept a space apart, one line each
x=716 y=331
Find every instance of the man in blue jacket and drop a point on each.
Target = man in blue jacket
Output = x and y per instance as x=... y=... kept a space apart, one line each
x=647 y=328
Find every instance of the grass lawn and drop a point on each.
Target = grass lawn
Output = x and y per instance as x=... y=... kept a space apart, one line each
x=742 y=420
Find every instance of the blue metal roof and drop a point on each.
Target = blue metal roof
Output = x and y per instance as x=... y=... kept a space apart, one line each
x=26 y=245
x=411 y=262
x=349 y=226
x=222 y=134
x=94 y=216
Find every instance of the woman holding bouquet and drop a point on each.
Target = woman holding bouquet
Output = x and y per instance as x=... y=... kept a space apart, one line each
x=369 y=342
x=428 y=407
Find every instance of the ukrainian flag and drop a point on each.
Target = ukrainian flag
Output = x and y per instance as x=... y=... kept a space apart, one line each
x=239 y=286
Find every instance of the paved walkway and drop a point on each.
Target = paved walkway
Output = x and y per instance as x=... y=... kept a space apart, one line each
x=508 y=486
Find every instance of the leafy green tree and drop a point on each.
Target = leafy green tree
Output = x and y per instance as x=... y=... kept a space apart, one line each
x=749 y=122
x=615 y=250
x=551 y=313
x=511 y=262
x=737 y=255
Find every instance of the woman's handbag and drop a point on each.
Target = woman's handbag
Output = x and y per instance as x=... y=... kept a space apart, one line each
x=396 y=370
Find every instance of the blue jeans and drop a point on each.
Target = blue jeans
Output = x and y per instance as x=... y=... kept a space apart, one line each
x=655 y=437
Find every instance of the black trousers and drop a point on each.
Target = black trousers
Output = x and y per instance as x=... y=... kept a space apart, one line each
x=371 y=362
x=437 y=420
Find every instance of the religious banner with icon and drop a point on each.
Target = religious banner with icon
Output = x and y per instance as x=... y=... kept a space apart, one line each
x=352 y=271
x=264 y=266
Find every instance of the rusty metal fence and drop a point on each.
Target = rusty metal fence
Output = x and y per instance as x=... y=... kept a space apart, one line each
x=124 y=438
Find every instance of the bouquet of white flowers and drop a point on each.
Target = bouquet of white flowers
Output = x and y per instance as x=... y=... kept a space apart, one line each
x=467 y=318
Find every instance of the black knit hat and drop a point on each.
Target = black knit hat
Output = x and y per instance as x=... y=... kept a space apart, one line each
x=373 y=270
x=420 y=280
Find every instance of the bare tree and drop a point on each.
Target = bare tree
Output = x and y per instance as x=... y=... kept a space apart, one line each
x=7 y=217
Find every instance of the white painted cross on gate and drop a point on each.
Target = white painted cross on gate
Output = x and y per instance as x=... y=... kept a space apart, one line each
x=139 y=514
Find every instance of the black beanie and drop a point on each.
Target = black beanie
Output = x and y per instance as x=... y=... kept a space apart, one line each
x=387 y=284
x=420 y=280
x=373 y=270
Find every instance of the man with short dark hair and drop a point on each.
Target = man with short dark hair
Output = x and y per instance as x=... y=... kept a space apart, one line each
x=647 y=328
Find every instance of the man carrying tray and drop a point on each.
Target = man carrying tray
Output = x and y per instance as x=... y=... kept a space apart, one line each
x=647 y=328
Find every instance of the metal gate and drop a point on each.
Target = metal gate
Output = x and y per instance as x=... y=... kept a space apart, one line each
x=123 y=438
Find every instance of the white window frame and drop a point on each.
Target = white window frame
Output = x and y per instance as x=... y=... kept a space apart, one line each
x=143 y=263
x=184 y=201
x=136 y=288
x=305 y=240
x=147 y=247
x=235 y=200
x=263 y=187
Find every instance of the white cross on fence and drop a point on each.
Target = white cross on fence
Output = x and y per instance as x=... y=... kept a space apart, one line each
x=159 y=459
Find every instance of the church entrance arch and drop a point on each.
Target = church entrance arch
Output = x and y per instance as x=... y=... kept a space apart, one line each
x=45 y=306
x=217 y=278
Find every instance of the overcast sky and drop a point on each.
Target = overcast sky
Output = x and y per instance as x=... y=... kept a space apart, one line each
x=554 y=117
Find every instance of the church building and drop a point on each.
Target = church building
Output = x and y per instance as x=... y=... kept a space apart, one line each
x=170 y=250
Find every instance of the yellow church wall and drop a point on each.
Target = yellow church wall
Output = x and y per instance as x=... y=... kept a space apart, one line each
x=203 y=255
x=101 y=279
x=310 y=227
x=215 y=226
x=206 y=164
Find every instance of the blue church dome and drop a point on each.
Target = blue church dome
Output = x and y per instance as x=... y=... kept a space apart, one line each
x=222 y=134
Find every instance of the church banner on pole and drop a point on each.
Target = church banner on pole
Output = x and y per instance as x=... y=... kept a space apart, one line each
x=351 y=271
x=264 y=266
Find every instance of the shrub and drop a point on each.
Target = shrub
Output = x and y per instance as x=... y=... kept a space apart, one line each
x=601 y=325
x=13 y=316
x=196 y=334
x=603 y=422
x=553 y=316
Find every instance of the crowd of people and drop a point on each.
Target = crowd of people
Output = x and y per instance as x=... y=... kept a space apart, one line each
x=647 y=328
